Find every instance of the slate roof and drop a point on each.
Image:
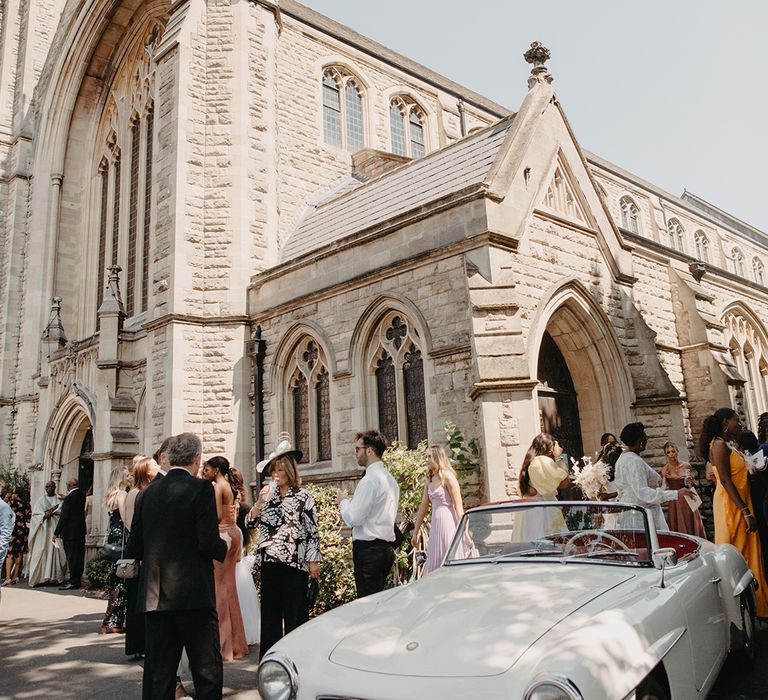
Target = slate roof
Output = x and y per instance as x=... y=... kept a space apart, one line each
x=404 y=189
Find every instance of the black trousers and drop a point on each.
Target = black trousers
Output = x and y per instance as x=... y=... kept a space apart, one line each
x=283 y=602
x=134 y=621
x=372 y=561
x=74 y=550
x=167 y=633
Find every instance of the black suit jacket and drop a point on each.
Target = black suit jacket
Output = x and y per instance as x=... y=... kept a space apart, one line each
x=71 y=525
x=175 y=533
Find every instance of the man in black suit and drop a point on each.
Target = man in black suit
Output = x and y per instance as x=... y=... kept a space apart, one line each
x=71 y=530
x=175 y=533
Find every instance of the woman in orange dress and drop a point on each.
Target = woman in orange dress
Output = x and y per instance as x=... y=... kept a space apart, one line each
x=231 y=630
x=735 y=521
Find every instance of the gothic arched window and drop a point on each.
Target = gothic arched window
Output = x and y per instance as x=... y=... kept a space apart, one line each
x=676 y=235
x=702 y=245
x=630 y=216
x=407 y=125
x=397 y=369
x=737 y=260
x=124 y=182
x=309 y=401
x=748 y=347
x=758 y=271
x=343 y=120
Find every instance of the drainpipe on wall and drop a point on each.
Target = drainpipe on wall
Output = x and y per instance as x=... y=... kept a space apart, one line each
x=257 y=350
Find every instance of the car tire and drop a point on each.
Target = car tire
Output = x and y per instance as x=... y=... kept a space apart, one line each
x=745 y=655
x=651 y=689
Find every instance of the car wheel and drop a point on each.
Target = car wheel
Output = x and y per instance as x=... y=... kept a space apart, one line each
x=745 y=656
x=651 y=689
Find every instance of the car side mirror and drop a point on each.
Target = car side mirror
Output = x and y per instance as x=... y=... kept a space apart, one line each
x=664 y=557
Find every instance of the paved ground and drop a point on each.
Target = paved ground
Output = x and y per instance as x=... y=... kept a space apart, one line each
x=49 y=648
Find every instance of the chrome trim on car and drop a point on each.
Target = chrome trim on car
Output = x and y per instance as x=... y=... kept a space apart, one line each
x=746 y=580
x=560 y=682
x=287 y=664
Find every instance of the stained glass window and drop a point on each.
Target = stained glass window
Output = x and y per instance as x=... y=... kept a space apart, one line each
x=147 y=212
x=323 y=400
x=103 y=214
x=415 y=402
x=629 y=215
x=133 y=218
x=386 y=396
x=397 y=128
x=116 y=212
x=416 y=132
x=353 y=117
x=702 y=246
x=331 y=110
x=301 y=415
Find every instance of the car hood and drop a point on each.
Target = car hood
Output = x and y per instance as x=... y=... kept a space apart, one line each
x=470 y=620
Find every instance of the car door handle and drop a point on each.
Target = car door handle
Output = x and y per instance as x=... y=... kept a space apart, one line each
x=715 y=580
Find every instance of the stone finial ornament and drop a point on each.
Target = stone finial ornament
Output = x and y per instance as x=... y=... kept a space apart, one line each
x=54 y=331
x=537 y=56
x=113 y=301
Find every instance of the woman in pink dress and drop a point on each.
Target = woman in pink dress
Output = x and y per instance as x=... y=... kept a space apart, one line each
x=442 y=491
x=678 y=475
x=231 y=630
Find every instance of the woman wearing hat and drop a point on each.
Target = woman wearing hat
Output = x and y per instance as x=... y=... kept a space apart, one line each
x=289 y=545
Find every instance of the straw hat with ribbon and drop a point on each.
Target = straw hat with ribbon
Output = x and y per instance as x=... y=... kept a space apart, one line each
x=283 y=449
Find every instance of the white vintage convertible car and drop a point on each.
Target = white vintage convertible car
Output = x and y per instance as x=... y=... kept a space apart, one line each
x=535 y=601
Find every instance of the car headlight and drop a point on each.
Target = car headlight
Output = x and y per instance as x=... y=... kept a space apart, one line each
x=277 y=678
x=552 y=688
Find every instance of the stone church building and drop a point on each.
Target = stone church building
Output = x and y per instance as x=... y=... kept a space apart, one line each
x=240 y=218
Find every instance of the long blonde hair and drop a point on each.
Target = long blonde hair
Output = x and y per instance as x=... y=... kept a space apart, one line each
x=444 y=466
x=119 y=478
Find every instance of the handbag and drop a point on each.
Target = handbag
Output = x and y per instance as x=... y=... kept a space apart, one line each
x=127 y=569
x=111 y=551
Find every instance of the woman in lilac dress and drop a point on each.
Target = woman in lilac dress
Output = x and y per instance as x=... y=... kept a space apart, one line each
x=442 y=491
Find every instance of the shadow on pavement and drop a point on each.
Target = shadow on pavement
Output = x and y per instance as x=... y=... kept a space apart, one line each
x=47 y=654
x=735 y=684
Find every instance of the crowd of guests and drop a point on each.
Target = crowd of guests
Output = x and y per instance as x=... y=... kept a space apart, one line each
x=189 y=523
x=736 y=463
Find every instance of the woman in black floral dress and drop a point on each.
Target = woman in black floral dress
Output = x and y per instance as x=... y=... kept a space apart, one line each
x=289 y=546
x=119 y=481
x=14 y=560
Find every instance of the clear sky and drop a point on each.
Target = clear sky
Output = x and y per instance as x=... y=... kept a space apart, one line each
x=675 y=91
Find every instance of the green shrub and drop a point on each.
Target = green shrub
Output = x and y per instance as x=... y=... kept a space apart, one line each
x=407 y=466
x=15 y=482
x=337 y=580
x=97 y=572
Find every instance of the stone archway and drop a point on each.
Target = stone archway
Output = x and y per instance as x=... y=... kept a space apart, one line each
x=66 y=440
x=596 y=389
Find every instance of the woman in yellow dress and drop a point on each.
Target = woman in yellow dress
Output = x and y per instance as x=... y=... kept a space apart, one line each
x=735 y=521
x=540 y=476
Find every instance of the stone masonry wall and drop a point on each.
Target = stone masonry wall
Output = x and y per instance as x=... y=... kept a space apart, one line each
x=438 y=289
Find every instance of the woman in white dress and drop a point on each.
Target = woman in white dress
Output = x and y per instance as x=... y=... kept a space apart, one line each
x=246 y=589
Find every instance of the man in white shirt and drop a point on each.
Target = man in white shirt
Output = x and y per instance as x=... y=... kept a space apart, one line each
x=371 y=514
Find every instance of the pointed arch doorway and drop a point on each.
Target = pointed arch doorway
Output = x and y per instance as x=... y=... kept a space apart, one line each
x=558 y=400
x=584 y=387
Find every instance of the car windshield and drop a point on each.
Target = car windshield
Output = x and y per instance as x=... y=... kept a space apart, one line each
x=567 y=531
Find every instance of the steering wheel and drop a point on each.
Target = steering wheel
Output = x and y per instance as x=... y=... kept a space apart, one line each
x=600 y=539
